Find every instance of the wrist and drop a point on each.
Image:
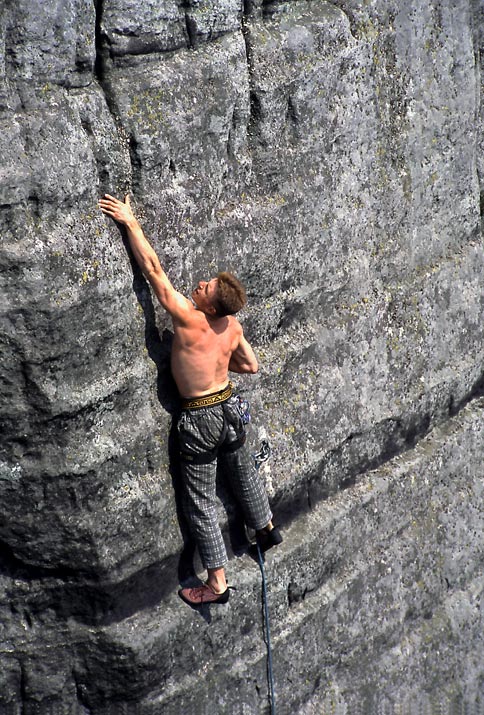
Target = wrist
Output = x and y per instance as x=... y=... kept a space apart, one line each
x=131 y=223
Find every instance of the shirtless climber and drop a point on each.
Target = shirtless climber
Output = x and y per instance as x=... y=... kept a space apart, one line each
x=208 y=342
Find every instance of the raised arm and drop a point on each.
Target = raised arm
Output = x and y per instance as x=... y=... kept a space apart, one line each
x=243 y=358
x=175 y=303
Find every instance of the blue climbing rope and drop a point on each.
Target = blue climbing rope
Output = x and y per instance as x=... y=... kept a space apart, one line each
x=270 y=674
x=262 y=456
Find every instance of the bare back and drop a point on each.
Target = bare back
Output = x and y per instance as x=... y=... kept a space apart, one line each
x=202 y=349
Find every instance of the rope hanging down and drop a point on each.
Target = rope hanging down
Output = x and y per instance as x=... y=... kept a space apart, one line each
x=262 y=456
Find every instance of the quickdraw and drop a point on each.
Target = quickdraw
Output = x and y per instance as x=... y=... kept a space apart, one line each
x=243 y=407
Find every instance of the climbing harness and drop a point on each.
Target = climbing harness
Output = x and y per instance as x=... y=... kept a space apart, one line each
x=215 y=398
x=260 y=457
x=211 y=455
x=219 y=398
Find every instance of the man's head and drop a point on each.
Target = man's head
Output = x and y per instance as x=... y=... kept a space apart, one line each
x=220 y=296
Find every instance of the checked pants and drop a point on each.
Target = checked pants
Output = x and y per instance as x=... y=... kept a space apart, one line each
x=200 y=431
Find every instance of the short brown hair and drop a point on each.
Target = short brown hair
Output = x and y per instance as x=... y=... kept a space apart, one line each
x=230 y=296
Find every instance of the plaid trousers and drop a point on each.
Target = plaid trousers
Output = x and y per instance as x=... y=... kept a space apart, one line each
x=200 y=431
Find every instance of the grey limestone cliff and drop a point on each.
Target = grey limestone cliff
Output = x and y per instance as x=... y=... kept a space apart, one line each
x=329 y=153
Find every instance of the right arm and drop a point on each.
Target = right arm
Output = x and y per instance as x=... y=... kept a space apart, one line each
x=175 y=303
x=243 y=359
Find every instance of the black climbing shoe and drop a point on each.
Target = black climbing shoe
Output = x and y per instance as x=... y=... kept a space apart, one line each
x=265 y=540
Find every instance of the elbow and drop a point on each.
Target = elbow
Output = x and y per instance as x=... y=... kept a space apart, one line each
x=151 y=270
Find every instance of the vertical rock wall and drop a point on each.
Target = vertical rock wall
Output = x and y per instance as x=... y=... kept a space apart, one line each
x=328 y=153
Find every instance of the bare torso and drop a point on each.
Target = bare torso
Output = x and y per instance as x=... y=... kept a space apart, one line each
x=201 y=353
x=205 y=346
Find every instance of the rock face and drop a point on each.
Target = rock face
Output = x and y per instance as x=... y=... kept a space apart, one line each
x=329 y=153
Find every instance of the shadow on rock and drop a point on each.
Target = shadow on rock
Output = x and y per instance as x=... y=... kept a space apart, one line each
x=159 y=350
